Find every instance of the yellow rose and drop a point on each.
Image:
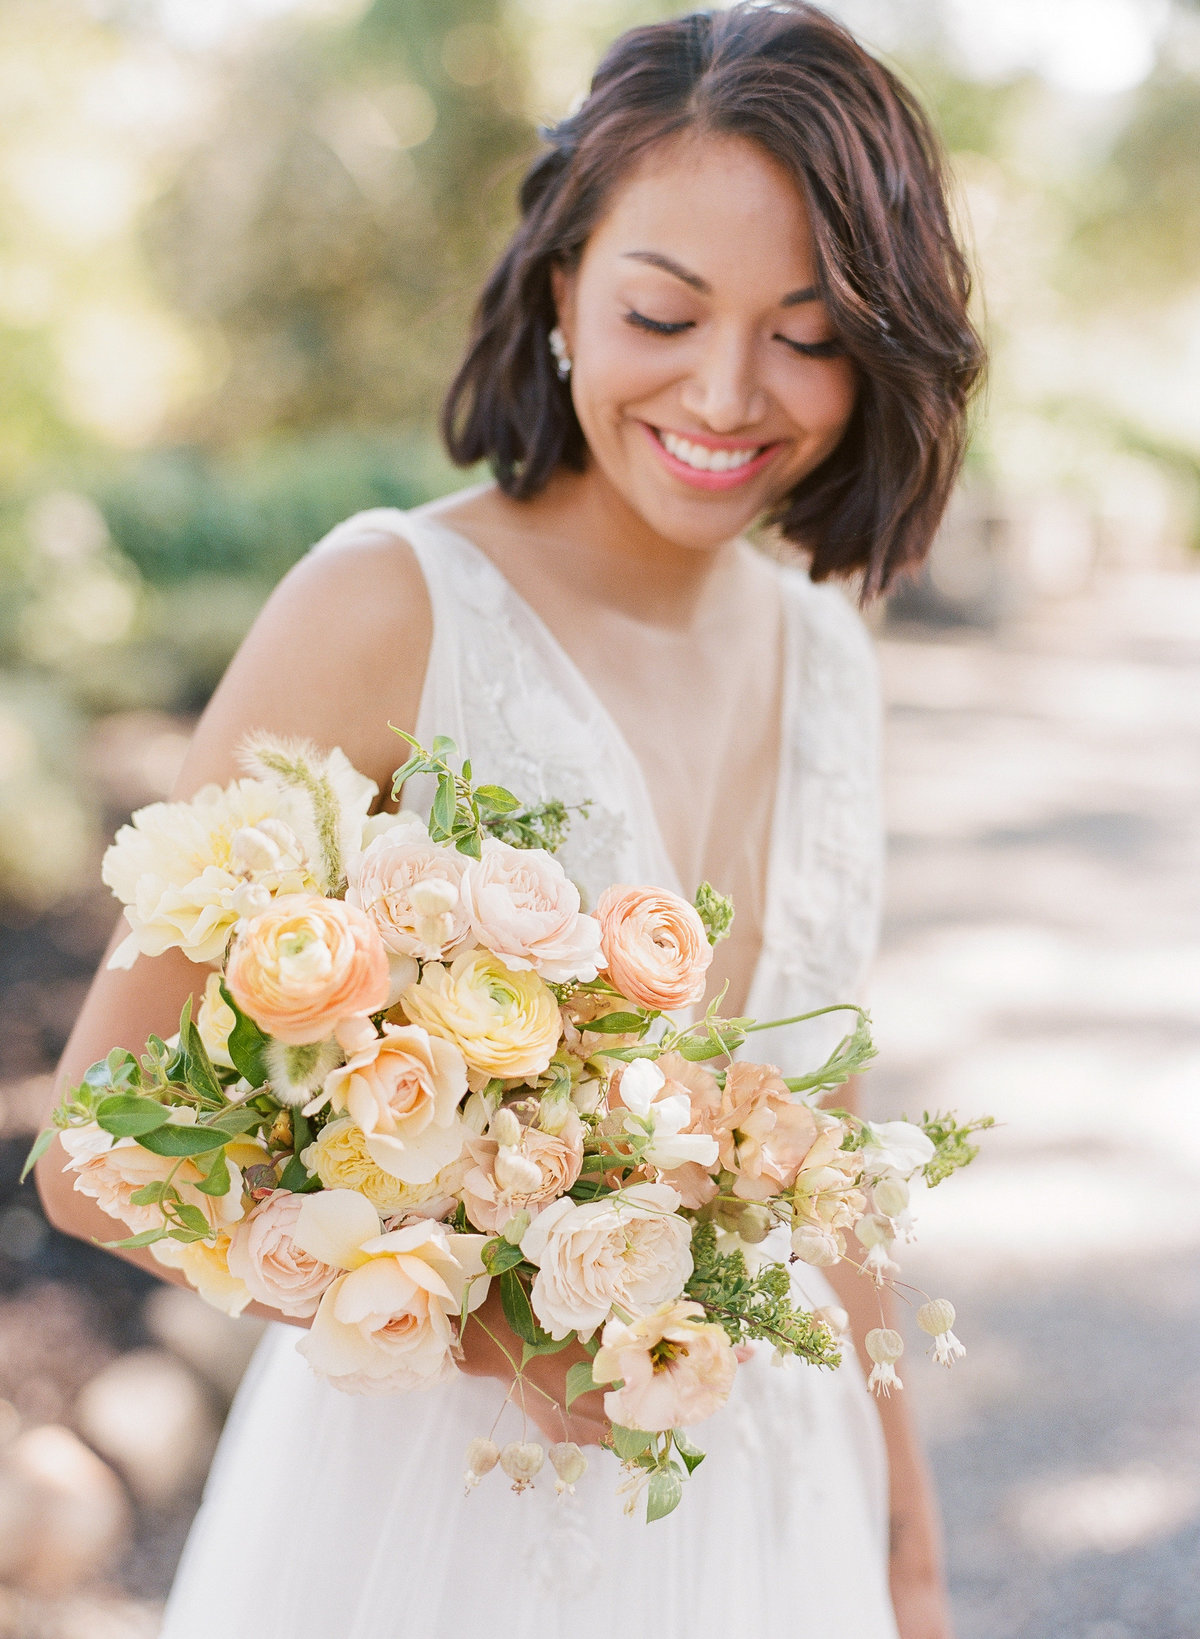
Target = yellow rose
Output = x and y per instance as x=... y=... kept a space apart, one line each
x=505 y=1024
x=215 y=1020
x=339 y=1158
x=206 y=1266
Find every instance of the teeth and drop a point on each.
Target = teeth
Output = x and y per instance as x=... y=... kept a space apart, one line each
x=704 y=459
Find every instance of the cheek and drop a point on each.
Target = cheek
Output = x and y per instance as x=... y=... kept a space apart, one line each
x=620 y=369
x=823 y=401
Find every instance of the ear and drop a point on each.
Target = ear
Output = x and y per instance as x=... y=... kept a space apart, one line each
x=562 y=288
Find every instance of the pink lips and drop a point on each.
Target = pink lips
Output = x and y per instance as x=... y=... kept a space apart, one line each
x=710 y=480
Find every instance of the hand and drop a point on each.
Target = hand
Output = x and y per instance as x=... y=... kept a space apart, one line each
x=490 y=1349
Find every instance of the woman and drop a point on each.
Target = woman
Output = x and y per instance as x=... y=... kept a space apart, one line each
x=733 y=295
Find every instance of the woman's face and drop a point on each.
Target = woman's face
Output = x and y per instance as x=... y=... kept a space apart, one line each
x=705 y=371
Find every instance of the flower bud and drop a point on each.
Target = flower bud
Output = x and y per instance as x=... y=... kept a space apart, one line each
x=482 y=1457
x=250 y=849
x=521 y=1461
x=569 y=1463
x=505 y=1128
x=872 y=1230
x=433 y=896
x=516 y=1227
x=884 y=1345
x=815 y=1246
x=516 y=1173
x=936 y=1317
x=754 y=1223
x=891 y=1196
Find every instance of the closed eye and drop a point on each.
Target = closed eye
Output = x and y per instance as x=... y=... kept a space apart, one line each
x=813 y=349
x=657 y=327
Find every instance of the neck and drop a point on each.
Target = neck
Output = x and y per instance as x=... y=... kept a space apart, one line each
x=585 y=533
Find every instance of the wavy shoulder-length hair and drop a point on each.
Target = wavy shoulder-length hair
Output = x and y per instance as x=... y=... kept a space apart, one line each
x=870 y=169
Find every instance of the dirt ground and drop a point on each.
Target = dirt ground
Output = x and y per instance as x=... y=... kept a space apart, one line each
x=1041 y=962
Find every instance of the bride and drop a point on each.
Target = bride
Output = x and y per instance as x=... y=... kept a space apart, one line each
x=733 y=297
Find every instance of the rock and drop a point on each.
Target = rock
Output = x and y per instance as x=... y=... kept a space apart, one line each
x=215 y=1345
x=63 y=1513
x=150 y=1417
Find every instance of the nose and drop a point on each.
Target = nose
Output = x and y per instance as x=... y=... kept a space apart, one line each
x=723 y=389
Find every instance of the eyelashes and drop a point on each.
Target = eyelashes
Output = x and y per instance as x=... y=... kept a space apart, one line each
x=662 y=327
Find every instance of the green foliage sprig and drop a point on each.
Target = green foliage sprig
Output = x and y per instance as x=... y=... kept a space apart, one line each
x=952 y=1144
x=754 y=1306
x=715 y=911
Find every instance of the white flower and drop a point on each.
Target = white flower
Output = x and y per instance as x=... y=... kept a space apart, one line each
x=387 y=1323
x=884 y=1347
x=895 y=1147
x=630 y=1249
x=664 y=1119
x=176 y=870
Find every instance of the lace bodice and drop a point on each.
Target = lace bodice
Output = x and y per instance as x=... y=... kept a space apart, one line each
x=500 y=684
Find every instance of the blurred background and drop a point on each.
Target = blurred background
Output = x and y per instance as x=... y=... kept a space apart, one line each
x=239 y=243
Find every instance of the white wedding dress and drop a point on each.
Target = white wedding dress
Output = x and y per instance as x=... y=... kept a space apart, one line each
x=329 y=1516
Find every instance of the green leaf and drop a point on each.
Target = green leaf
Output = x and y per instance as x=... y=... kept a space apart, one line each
x=152 y=1193
x=191 y=1218
x=664 y=1494
x=470 y=845
x=496 y=798
x=98 y=1076
x=443 y=748
x=532 y=1351
x=198 y=1067
x=442 y=814
x=630 y=1442
x=692 y=1455
x=39 y=1147
x=216 y=1180
x=296 y=1178
x=124 y=1115
x=236 y=1121
x=579 y=1381
x=146 y=1238
x=616 y=1024
x=246 y=1045
x=499 y=1255
x=518 y=1311
x=170 y=1140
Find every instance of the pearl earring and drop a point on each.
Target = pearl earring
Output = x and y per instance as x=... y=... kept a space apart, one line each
x=558 y=346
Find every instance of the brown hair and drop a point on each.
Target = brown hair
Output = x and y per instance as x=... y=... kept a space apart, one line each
x=896 y=285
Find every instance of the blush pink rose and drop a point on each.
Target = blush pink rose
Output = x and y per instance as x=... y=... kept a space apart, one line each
x=656 y=951
x=525 y=909
x=275 y=1271
x=764 y=1132
x=112 y=1170
x=306 y=964
x=403 y=1089
x=677 y=1368
x=411 y=890
x=522 y=1177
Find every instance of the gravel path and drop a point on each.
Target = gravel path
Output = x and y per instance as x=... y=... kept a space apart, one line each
x=1042 y=962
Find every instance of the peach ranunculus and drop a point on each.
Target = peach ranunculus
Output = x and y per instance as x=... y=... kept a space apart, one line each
x=338 y=1156
x=522 y=1177
x=505 y=1024
x=388 y=1322
x=403 y=1089
x=677 y=1368
x=525 y=909
x=304 y=965
x=111 y=1170
x=764 y=1132
x=631 y=1248
x=656 y=951
x=275 y=1271
x=412 y=891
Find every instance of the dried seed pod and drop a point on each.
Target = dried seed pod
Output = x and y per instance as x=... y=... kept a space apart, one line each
x=818 y=1247
x=936 y=1318
x=482 y=1457
x=891 y=1196
x=505 y=1128
x=884 y=1347
x=569 y=1463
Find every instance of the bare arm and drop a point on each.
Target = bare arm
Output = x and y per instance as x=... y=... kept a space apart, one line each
x=339 y=650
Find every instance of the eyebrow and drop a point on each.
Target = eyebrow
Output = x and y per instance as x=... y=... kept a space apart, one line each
x=654 y=258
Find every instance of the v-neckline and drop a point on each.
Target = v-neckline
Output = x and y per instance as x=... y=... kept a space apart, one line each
x=789 y=682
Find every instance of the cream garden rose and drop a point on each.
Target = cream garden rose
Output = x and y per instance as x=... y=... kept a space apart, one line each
x=306 y=964
x=338 y=1156
x=215 y=1020
x=263 y=1255
x=505 y=1024
x=411 y=890
x=523 y=907
x=656 y=951
x=630 y=1248
x=112 y=1170
x=387 y=1322
x=403 y=1089
x=675 y=1368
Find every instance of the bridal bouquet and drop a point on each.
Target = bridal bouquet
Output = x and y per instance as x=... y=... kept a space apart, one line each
x=417 y=1065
